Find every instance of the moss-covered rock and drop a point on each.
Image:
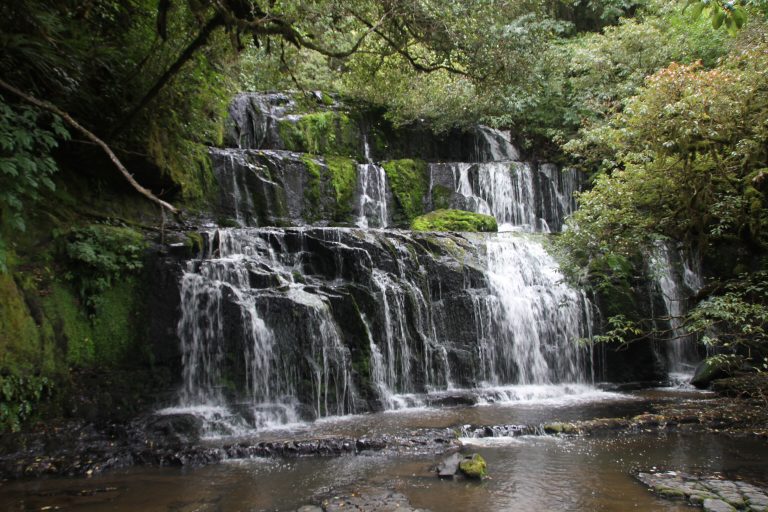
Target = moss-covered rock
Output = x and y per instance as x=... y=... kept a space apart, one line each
x=312 y=189
x=454 y=220
x=441 y=197
x=326 y=174
x=474 y=466
x=716 y=367
x=21 y=349
x=409 y=181
x=331 y=133
x=343 y=173
x=560 y=428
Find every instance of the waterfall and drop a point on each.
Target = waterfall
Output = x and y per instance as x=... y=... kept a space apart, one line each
x=676 y=279
x=531 y=320
x=280 y=325
x=372 y=186
x=285 y=324
x=522 y=196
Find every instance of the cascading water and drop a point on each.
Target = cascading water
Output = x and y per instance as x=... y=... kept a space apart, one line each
x=523 y=196
x=372 y=207
x=531 y=319
x=676 y=280
x=265 y=320
x=287 y=324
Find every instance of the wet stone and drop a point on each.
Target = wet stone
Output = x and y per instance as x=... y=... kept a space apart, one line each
x=368 y=500
x=756 y=499
x=449 y=466
x=712 y=494
x=711 y=505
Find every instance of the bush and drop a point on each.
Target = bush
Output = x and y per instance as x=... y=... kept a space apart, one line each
x=98 y=255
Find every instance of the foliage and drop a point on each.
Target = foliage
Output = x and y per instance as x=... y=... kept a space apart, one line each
x=686 y=158
x=737 y=318
x=620 y=330
x=409 y=183
x=99 y=255
x=454 y=220
x=27 y=138
x=20 y=395
x=732 y=15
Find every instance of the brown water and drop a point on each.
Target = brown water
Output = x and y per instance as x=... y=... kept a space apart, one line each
x=528 y=473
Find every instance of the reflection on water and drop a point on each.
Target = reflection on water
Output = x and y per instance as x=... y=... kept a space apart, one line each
x=529 y=473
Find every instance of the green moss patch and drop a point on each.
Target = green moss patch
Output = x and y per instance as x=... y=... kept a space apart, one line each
x=20 y=347
x=330 y=133
x=343 y=178
x=330 y=186
x=474 y=466
x=441 y=197
x=454 y=220
x=409 y=181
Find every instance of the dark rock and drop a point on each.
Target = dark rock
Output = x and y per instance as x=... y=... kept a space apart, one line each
x=366 y=500
x=173 y=429
x=709 y=370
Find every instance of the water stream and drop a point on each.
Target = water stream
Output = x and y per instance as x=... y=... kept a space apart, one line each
x=526 y=473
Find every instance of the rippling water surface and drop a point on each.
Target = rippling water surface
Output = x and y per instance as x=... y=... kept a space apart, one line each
x=526 y=473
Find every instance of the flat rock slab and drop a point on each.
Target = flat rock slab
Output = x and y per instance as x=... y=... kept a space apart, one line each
x=449 y=466
x=712 y=493
x=711 y=505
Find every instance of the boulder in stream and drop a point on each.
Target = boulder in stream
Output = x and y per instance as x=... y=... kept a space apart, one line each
x=473 y=466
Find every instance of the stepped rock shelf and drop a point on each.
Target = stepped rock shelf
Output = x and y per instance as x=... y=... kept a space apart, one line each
x=284 y=324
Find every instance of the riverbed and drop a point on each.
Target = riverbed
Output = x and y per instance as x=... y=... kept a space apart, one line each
x=541 y=472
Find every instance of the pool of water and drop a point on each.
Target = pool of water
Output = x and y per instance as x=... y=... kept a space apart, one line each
x=526 y=473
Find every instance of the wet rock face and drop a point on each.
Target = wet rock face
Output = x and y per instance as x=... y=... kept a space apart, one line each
x=328 y=321
x=710 y=492
x=291 y=160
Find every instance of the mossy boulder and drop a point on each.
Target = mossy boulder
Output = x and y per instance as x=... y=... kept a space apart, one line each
x=713 y=368
x=560 y=428
x=474 y=466
x=454 y=220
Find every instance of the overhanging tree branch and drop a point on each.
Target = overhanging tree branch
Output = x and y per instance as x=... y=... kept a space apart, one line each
x=202 y=38
x=50 y=107
x=403 y=51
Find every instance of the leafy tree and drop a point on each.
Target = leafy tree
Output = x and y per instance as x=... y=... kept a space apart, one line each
x=684 y=160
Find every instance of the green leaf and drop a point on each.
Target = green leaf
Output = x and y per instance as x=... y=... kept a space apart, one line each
x=718 y=17
x=696 y=10
x=739 y=16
